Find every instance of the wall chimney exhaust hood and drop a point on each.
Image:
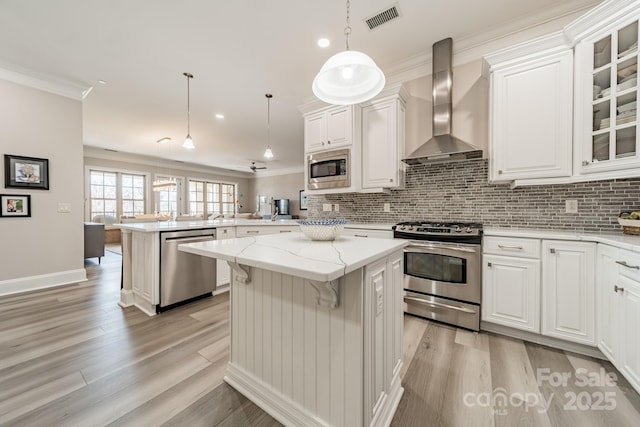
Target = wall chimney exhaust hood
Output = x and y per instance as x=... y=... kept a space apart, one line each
x=443 y=147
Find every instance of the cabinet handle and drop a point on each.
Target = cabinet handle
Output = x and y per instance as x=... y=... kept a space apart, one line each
x=360 y=235
x=322 y=142
x=585 y=163
x=285 y=231
x=618 y=289
x=329 y=142
x=624 y=264
x=500 y=172
x=553 y=251
x=489 y=264
x=390 y=179
x=253 y=231
x=517 y=248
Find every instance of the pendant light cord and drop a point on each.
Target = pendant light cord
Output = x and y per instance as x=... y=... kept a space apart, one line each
x=189 y=76
x=347 y=29
x=269 y=96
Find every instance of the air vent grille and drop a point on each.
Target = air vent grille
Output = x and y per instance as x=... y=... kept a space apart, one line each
x=383 y=17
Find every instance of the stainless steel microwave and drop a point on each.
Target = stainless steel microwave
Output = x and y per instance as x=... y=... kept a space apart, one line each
x=329 y=169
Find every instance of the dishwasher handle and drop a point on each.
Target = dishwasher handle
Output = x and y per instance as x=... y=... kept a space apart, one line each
x=191 y=238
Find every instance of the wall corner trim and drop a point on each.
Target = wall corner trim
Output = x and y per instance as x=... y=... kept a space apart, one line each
x=32 y=283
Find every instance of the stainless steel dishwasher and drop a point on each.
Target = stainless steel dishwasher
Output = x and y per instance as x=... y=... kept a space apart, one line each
x=184 y=276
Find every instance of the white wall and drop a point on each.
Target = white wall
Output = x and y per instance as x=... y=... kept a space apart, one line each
x=278 y=187
x=47 y=248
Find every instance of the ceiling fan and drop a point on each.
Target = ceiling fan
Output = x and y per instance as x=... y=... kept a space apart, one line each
x=254 y=168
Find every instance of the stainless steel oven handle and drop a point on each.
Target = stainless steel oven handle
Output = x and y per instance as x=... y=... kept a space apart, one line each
x=439 y=305
x=431 y=246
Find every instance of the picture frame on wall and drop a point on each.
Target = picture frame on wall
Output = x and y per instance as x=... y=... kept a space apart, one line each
x=15 y=205
x=303 y=200
x=26 y=172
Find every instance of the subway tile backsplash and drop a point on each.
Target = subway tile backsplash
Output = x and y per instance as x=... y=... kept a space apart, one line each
x=460 y=192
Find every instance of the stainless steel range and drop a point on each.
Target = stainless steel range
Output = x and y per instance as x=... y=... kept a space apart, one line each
x=442 y=273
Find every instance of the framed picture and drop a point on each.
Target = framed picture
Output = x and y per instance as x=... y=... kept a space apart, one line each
x=15 y=205
x=303 y=200
x=26 y=172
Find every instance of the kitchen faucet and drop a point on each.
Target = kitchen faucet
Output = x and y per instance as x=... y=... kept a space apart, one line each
x=274 y=215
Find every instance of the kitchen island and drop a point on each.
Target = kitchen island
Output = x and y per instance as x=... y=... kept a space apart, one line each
x=316 y=327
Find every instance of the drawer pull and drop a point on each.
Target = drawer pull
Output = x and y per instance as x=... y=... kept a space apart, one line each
x=517 y=248
x=552 y=250
x=624 y=264
x=253 y=231
x=435 y=304
x=489 y=264
x=618 y=289
x=360 y=235
x=285 y=231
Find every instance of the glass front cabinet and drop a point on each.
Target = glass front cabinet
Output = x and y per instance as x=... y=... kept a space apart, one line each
x=606 y=122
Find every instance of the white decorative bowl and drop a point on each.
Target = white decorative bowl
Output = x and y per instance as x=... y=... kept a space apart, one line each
x=322 y=229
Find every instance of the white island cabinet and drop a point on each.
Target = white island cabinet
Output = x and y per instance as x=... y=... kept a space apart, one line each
x=316 y=327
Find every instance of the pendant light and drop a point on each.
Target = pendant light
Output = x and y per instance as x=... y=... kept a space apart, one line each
x=188 y=142
x=268 y=154
x=348 y=77
x=163 y=184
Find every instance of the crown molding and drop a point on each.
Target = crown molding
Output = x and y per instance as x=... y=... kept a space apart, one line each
x=46 y=83
x=599 y=18
x=476 y=46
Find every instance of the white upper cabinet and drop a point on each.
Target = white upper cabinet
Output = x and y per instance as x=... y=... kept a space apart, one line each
x=563 y=107
x=383 y=143
x=531 y=110
x=329 y=128
x=606 y=95
x=373 y=132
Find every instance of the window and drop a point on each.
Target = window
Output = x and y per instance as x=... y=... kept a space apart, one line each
x=103 y=194
x=211 y=198
x=132 y=194
x=167 y=199
x=116 y=193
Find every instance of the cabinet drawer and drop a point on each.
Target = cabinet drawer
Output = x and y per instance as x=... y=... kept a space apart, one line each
x=360 y=232
x=629 y=264
x=511 y=246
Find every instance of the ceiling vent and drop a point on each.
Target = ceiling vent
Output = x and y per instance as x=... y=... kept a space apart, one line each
x=383 y=17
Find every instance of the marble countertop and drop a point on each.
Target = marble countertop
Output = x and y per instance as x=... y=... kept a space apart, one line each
x=297 y=255
x=624 y=241
x=155 y=226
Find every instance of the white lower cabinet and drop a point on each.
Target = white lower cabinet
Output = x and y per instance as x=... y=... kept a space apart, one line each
x=511 y=292
x=223 y=271
x=608 y=302
x=619 y=310
x=568 y=290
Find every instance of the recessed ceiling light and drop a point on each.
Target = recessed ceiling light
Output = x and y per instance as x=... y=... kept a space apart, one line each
x=324 y=42
x=219 y=116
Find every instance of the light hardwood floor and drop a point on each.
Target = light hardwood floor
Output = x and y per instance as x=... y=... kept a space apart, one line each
x=72 y=356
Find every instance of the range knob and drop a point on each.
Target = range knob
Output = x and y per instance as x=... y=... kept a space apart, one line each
x=468 y=230
x=458 y=229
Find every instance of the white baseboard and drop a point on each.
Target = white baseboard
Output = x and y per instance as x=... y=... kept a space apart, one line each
x=272 y=402
x=126 y=298
x=221 y=289
x=542 y=339
x=32 y=283
x=395 y=394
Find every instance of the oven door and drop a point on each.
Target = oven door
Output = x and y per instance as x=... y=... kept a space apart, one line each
x=328 y=169
x=450 y=270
